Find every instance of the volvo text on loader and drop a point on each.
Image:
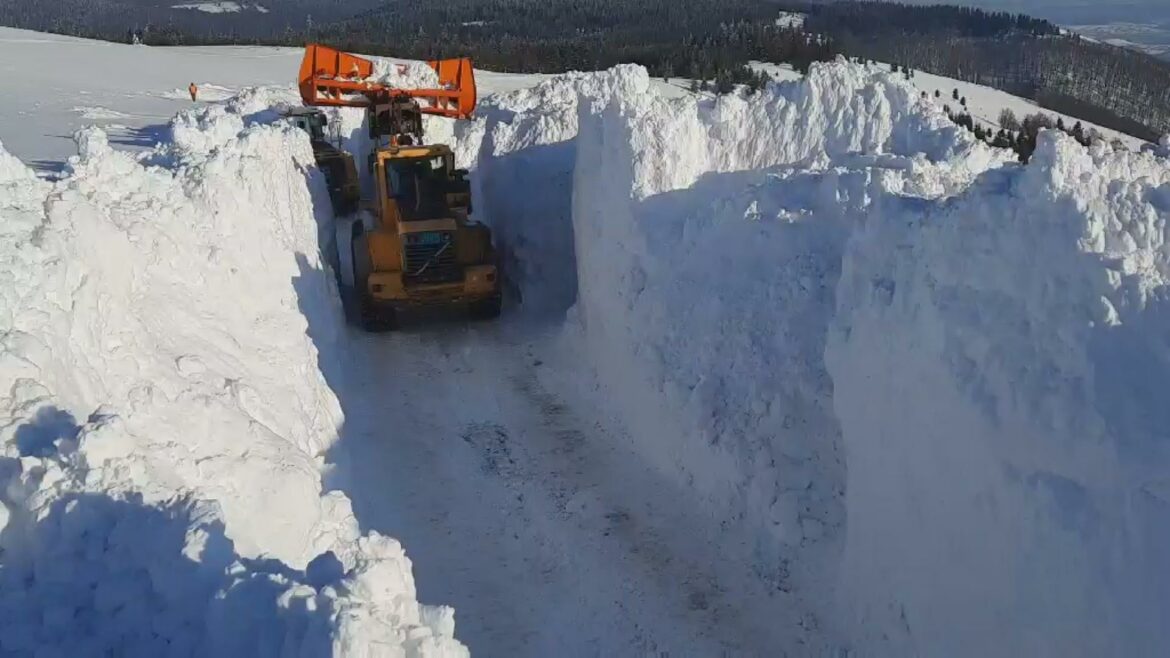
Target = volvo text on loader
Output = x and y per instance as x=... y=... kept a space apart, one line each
x=417 y=245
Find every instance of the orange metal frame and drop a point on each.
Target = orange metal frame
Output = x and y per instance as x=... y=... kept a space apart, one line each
x=333 y=78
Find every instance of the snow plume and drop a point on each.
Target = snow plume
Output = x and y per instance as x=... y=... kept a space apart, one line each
x=894 y=361
x=997 y=362
x=164 y=417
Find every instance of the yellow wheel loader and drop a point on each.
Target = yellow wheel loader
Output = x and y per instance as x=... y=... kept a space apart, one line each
x=415 y=246
x=341 y=175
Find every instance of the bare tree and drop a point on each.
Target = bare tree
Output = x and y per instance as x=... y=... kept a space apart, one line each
x=1008 y=120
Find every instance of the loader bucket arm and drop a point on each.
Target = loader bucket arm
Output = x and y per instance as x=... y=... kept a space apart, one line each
x=330 y=77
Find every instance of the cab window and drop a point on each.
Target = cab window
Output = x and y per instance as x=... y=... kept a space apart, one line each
x=419 y=186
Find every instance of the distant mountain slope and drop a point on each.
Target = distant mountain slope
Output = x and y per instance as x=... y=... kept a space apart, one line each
x=1119 y=87
x=1030 y=57
x=1150 y=38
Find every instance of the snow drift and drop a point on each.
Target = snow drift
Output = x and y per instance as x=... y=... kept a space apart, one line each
x=164 y=414
x=887 y=356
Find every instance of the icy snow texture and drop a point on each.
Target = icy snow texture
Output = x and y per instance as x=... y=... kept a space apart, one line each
x=164 y=418
x=829 y=288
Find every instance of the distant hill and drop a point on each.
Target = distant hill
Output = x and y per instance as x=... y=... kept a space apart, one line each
x=1120 y=88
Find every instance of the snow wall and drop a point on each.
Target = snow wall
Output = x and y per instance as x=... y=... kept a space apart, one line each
x=920 y=378
x=164 y=414
x=999 y=361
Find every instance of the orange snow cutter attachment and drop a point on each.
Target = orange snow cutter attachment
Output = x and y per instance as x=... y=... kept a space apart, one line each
x=331 y=77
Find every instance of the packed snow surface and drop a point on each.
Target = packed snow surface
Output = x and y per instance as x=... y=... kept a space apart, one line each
x=805 y=372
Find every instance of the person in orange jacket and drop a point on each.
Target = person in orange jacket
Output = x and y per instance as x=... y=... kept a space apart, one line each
x=194 y=90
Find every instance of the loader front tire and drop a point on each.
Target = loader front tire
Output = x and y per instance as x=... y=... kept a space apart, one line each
x=487 y=309
x=370 y=315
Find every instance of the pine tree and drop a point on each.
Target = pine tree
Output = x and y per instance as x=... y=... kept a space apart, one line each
x=1078 y=133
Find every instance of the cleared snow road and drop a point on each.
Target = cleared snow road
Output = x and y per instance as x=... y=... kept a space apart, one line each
x=523 y=511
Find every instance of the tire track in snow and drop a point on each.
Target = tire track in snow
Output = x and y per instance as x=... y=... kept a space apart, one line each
x=527 y=515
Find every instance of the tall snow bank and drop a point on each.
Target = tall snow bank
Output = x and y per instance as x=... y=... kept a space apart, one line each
x=163 y=416
x=999 y=363
x=523 y=148
x=709 y=238
x=699 y=242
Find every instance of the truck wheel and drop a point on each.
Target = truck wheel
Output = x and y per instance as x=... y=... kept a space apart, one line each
x=375 y=318
x=487 y=309
x=364 y=308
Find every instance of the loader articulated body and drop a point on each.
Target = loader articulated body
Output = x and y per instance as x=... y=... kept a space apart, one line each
x=417 y=246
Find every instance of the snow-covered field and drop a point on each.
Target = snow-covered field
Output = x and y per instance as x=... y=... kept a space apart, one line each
x=803 y=373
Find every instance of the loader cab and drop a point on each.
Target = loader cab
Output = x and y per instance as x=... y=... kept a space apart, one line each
x=424 y=250
x=421 y=184
x=311 y=121
x=417 y=187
